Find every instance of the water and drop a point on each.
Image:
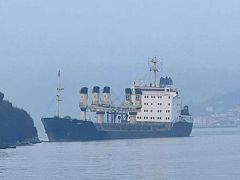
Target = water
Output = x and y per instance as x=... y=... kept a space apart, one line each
x=208 y=154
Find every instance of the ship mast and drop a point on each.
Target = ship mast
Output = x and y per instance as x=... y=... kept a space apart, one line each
x=59 y=90
x=154 y=69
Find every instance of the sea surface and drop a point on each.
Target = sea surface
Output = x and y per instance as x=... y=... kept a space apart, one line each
x=207 y=154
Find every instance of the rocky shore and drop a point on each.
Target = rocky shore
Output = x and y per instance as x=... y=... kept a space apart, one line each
x=16 y=126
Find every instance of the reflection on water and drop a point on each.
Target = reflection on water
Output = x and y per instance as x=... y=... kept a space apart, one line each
x=208 y=154
x=4 y=154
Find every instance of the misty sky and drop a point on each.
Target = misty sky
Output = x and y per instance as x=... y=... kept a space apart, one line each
x=109 y=42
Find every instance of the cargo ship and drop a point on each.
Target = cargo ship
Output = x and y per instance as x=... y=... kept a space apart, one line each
x=149 y=110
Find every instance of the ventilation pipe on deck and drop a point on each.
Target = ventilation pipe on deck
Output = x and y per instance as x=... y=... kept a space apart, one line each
x=100 y=117
x=132 y=117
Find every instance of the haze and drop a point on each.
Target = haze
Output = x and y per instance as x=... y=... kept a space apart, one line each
x=109 y=43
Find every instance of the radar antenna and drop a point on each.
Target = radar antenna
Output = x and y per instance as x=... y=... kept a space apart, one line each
x=59 y=90
x=154 y=69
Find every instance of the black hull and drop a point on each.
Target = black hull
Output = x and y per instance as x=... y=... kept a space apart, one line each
x=59 y=129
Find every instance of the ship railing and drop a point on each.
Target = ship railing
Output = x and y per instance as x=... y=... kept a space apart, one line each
x=125 y=109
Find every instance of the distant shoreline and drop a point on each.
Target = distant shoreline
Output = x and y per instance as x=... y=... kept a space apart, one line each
x=215 y=126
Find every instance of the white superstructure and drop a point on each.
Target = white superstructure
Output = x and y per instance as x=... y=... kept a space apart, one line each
x=160 y=102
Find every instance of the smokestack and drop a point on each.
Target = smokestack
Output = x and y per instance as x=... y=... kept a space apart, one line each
x=83 y=102
x=138 y=97
x=128 y=96
x=95 y=95
x=106 y=96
